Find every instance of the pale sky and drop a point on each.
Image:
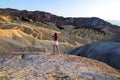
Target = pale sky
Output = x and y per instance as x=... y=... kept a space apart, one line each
x=105 y=9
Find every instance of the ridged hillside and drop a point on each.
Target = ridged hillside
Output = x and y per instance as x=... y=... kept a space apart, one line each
x=108 y=52
x=39 y=35
x=20 y=36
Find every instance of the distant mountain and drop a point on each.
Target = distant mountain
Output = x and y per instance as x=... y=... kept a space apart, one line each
x=36 y=16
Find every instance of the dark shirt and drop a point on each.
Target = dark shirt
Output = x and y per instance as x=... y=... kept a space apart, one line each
x=55 y=38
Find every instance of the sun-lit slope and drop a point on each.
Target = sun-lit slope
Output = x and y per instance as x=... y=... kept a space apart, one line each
x=81 y=35
x=35 y=34
x=20 y=36
x=16 y=40
x=26 y=43
x=34 y=31
x=41 y=31
x=5 y=18
x=16 y=30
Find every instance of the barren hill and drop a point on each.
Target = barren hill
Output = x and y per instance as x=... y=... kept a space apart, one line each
x=17 y=35
x=108 y=52
x=20 y=36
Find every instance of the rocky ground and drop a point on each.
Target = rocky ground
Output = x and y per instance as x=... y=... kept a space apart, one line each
x=45 y=66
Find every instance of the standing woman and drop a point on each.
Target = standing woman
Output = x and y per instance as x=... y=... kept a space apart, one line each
x=55 y=43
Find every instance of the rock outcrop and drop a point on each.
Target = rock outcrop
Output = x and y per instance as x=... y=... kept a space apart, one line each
x=44 y=66
x=108 y=52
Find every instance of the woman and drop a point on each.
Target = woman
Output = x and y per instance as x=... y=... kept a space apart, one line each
x=55 y=43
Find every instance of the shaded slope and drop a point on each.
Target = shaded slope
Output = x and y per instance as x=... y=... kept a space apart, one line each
x=108 y=52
